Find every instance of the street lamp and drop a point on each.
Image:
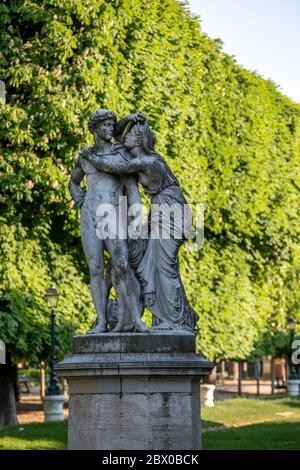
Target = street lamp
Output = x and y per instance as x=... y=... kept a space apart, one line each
x=52 y=300
x=293 y=373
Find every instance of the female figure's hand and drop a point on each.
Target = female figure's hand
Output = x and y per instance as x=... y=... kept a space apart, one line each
x=137 y=117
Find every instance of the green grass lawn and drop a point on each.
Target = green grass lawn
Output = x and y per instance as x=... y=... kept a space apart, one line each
x=239 y=423
x=247 y=423
x=34 y=436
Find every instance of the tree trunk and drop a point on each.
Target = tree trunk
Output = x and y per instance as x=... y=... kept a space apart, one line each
x=42 y=381
x=234 y=371
x=8 y=409
x=15 y=382
x=240 y=365
x=272 y=375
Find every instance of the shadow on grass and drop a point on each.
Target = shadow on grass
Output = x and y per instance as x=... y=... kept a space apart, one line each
x=265 y=436
x=208 y=424
x=292 y=402
x=283 y=399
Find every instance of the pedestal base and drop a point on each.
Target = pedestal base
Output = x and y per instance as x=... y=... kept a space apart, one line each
x=134 y=391
x=293 y=387
x=207 y=394
x=53 y=408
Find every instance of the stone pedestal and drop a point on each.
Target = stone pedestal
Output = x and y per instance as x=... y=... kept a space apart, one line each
x=207 y=394
x=54 y=408
x=132 y=391
x=293 y=387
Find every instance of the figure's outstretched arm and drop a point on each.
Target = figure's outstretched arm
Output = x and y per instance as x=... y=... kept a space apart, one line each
x=116 y=165
x=76 y=178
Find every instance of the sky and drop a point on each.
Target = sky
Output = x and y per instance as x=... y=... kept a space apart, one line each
x=263 y=35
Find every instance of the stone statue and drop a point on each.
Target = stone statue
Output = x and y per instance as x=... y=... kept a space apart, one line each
x=133 y=390
x=106 y=188
x=155 y=260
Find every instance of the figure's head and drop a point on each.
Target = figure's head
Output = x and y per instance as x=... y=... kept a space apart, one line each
x=102 y=123
x=140 y=135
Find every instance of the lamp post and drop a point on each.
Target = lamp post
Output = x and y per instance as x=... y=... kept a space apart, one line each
x=52 y=300
x=53 y=401
x=292 y=381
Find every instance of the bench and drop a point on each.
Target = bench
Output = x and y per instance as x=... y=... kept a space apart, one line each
x=26 y=381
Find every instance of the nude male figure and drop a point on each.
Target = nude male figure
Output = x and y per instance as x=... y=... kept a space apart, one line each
x=104 y=188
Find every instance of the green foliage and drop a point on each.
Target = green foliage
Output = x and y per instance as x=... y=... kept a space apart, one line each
x=29 y=266
x=229 y=135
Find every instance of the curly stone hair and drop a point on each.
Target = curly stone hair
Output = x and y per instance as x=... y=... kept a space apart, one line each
x=100 y=115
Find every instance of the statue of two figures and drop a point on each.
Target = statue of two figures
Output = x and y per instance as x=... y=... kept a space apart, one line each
x=143 y=266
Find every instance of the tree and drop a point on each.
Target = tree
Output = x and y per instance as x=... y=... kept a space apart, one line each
x=230 y=136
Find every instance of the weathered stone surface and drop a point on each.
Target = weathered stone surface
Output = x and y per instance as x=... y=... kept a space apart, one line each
x=54 y=407
x=135 y=420
x=160 y=342
x=129 y=400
